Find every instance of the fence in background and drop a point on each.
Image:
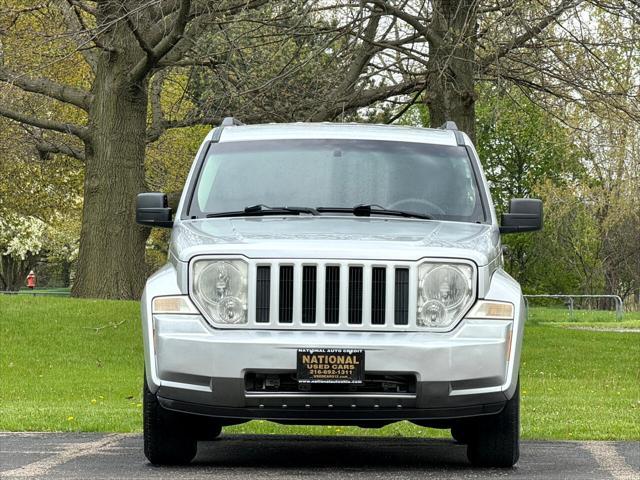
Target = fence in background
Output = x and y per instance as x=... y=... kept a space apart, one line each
x=570 y=301
x=59 y=293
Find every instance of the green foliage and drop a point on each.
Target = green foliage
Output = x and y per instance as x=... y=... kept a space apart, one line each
x=85 y=374
x=565 y=256
x=35 y=191
x=521 y=145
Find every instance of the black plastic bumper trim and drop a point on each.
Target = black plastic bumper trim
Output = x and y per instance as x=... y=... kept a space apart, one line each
x=325 y=413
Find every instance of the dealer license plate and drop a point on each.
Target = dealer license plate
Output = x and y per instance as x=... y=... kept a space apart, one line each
x=330 y=365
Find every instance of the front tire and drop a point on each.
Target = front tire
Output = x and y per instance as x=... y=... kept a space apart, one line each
x=495 y=441
x=168 y=440
x=460 y=434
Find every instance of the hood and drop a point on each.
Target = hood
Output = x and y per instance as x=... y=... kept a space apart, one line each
x=335 y=237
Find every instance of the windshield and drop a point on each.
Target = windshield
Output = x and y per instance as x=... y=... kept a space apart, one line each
x=433 y=180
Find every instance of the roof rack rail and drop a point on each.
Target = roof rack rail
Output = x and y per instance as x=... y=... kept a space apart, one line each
x=449 y=125
x=231 y=122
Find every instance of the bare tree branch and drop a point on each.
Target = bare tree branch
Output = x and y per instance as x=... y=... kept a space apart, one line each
x=79 y=33
x=80 y=132
x=531 y=33
x=148 y=49
x=358 y=64
x=408 y=18
x=43 y=86
x=370 y=96
x=189 y=62
x=157 y=127
x=164 y=46
x=83 y=6
x=45 y=148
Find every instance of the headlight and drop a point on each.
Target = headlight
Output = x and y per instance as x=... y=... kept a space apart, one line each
x=445 y=292
x=220 y=288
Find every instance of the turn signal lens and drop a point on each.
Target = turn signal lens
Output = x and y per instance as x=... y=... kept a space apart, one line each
x=492 y=310
x=178 y=304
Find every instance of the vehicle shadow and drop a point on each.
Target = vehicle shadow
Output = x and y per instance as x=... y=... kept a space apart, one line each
x=329 y=453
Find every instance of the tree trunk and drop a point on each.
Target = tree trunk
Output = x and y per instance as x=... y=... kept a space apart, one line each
x=111 y=261
x=450 y=94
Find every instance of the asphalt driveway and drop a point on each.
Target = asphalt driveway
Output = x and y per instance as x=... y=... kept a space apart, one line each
x=119 y=456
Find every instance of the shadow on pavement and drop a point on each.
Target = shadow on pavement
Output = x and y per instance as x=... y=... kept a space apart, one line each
x=300 y=452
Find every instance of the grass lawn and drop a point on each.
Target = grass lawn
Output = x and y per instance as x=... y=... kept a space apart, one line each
x=561 y=317
x=68 y=364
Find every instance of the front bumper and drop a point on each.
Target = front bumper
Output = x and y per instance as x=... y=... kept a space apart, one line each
x=471 y=370
x=335 y=415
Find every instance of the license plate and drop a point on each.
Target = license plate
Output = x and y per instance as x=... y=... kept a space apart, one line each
x=330 y=365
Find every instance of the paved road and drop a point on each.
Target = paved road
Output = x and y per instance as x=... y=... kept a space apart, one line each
x=115 y=456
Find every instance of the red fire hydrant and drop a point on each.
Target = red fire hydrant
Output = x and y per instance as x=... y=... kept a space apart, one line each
x=31 y=280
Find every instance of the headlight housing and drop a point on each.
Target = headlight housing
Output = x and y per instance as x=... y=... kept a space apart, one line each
x=220 y=289
x=445 y=292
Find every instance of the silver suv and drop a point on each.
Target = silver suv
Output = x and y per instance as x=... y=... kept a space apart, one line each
x=334 y=274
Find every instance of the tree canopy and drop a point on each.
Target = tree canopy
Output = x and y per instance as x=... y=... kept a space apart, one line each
x=102 y=100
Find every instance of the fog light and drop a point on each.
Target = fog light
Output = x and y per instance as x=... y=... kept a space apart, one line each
x=432 y=313
x=231 y=310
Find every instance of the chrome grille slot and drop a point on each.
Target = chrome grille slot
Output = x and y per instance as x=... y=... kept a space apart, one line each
x=378 y=294
x=308 y=294
x=332 y=295
x=263 y=287
x=401 y=311
x=355 y=295
x=286 y=294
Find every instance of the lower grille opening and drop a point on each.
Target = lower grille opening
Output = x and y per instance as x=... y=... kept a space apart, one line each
x=288 y=383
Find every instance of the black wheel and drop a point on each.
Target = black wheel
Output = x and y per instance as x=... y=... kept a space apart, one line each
x=461 y=433
x=496 y=439
x=205 y=428
x=168 y=436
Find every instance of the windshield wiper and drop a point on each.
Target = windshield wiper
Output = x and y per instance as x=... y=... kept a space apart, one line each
x=261 y=210
x=372 y=209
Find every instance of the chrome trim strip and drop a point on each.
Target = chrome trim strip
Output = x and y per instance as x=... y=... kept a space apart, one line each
x=407 y=396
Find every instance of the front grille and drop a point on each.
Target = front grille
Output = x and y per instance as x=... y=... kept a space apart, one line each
x=331 y=295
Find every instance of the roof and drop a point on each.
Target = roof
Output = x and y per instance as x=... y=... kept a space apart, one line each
x=281 y=131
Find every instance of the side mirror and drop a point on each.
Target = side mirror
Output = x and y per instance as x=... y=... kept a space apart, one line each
x=525 y=215
x=152 y=210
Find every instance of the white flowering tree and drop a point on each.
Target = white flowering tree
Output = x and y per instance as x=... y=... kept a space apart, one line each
x=22 y=240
